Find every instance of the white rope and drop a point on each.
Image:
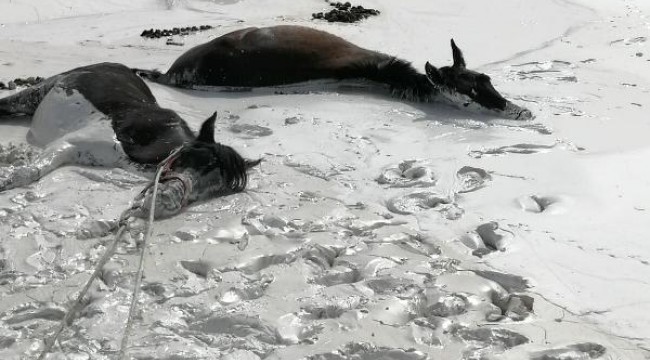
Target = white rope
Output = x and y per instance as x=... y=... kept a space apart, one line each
x=98 y=269
x=138 y=278
x=107 y=255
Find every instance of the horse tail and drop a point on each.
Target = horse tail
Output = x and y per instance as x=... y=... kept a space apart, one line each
x=27 y=100
x=404 y=81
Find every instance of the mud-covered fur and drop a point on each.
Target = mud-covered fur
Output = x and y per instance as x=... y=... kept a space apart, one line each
x=104 y=115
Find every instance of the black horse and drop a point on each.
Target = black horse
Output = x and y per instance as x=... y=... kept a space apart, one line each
x=104 y=115
x=286 y=54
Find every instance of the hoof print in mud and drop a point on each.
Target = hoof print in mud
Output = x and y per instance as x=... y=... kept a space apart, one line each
x=471 y=179
x=487 y=238
x=416 y=202
x=578 y=351
x=482 y=337
x=408 y=174
x=369 y=351
x=543 y=204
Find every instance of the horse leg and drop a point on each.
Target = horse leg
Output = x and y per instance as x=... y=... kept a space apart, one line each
x=27 y=101
x=108 y=154
x=78 y=148
x=54 y=156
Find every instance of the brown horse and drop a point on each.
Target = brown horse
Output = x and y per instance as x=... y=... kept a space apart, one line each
x=286 y=54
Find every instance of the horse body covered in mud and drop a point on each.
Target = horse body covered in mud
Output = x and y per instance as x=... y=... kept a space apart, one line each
x=286 y=54
x=104 y=115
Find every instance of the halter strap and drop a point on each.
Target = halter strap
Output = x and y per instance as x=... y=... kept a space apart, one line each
x=167 y=175
x=185 y=181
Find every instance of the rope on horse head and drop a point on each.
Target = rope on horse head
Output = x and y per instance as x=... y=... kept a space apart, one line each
x=69 y=316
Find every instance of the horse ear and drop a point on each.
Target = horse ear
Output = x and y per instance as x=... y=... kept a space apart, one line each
x=207 y=129
x=432 y=73
x=251 y=163
x=459 y=60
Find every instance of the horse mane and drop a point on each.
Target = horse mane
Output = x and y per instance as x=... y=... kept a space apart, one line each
x=405 y=82
x=233 y=168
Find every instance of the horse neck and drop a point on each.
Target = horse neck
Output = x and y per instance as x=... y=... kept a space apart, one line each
x=404 y=81
x=149 y=133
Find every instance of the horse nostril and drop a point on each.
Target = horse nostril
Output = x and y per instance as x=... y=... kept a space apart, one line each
x=525 y=114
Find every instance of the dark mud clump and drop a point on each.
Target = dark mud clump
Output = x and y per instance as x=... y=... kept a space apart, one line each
x=346 y=13
x=158 y=33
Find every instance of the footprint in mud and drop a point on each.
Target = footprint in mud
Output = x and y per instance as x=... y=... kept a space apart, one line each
x=412 y=243
x=358 y=227
x=487 y=238
x=316 y=166
x=249 y=131
x=112 y=275
x=517 y=307
x=471 y=179
x=236 y=325
x=338 y=275
x=34 y=311
x=198 y=267
x=450 y=305
x=388 y=285
x=332 y=308
x=367 y=351
x=408 y=174
x=510 y=282
x=522 y=149
x=237 y=237
x=556 y=70
x=483 y=337
x=259 y=223
x=544 y=204
x=92 y=228
x=493 y=302
x=262 y=262
x=321 y=257
x=581 y=351
x=291 y=329
x=416 y=202
x=331 y=268
x=247 y=289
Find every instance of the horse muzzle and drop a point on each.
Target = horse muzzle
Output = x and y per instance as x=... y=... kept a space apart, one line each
x=516 y=112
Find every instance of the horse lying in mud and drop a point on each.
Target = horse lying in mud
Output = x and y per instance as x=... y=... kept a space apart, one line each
x=285 y=54
x=104 y=115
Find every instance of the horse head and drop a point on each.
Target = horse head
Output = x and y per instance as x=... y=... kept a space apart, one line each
x=199 y=170
x=459 y=84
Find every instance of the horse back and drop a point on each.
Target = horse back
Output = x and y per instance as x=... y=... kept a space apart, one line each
x=268 y=56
